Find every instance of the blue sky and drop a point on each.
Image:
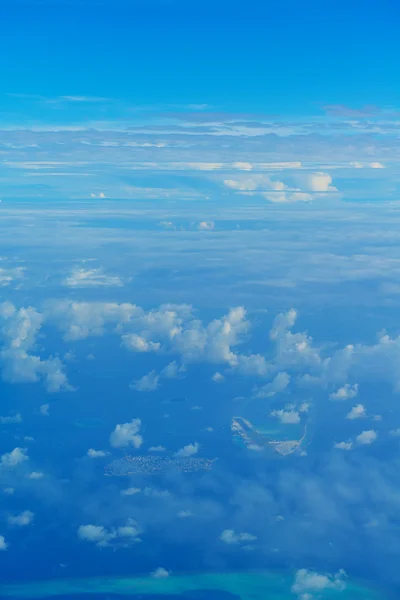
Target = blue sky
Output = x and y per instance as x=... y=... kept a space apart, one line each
x=200 y=202
x=272 y=57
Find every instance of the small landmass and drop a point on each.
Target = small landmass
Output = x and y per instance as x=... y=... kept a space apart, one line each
x=156 y=465
x=245 y=432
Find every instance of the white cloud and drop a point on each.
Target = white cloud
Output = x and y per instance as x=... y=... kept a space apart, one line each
x=137 y=343
x=91 y=278
x=185 y=514
x=288 y=417
x=203 y=166
x=96 y=534
x=19 y=331
x=24 y=518
x=344 y=445
x=127 y=434
x=278 y=384
x=14 y=458
x=320 y=182
x=173 y=370
x=206 y=225
x=218 y=377
x=357 y=412
x=8 y=276
x=102 y=537
x=277 y=191
x=132 y=491
x=159 y=573
x=345 y=393
x=395 y=432
x=157 y=449
x=229 y=536
x=311 y=581
x=35 y=475
x=14 y=419
x=242 y=166
x=366 y=437
x=147 y=383
x=3 y=543
x=44 y=410
x=96 y=453
x=188 y=450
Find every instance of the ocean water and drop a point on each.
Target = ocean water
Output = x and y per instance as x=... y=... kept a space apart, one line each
x=203 y=586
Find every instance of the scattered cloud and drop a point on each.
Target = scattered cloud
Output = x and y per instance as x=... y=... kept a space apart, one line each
x=218 y=377
x=127 y=434
x=367 y=437
x=206 y=225
x=147 y=383
x=277 y=385
x=159 y=573
x=96 y=453
x=3 y=543
x=157 y=449
x=44 y=410
x=102 y=537
x=288 y=417
x=310 y=582
x=35 y=475
x=24 y=518
x=345 y=392
x=189 y=450
x=14 y=458
x=92 y=278
x=344 y=445
x=357 y=412
x=229 y=536
x=14 y=419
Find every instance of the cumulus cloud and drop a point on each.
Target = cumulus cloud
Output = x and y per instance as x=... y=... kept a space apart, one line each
x=279 y=192
x=102 y=537
x=132 y=491
x=159 y=573
x=218 y=377
x=157 y=449
x=137 y=343
x=288 y=417
x=367 y=437
x=229 y=536
x=19 y=331
x=310 y=581
x=173 y=370
x=8 y=276
x=345 y=392
x=277 y=385
x=127 y=434
x=44 y=410
x=206 y=225
x=91 y=278
x=14 y=419
x=35 y=475
x=357 y=412
x=189 y=450
x=147 y=383
x=242 y=166
x=14 y=458
x=96 y=453
x=24 y=518
x=320 y=182
x=344 y=445
x=3 y=543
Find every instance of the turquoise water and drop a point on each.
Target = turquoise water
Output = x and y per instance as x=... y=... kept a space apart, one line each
x=246 y=586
